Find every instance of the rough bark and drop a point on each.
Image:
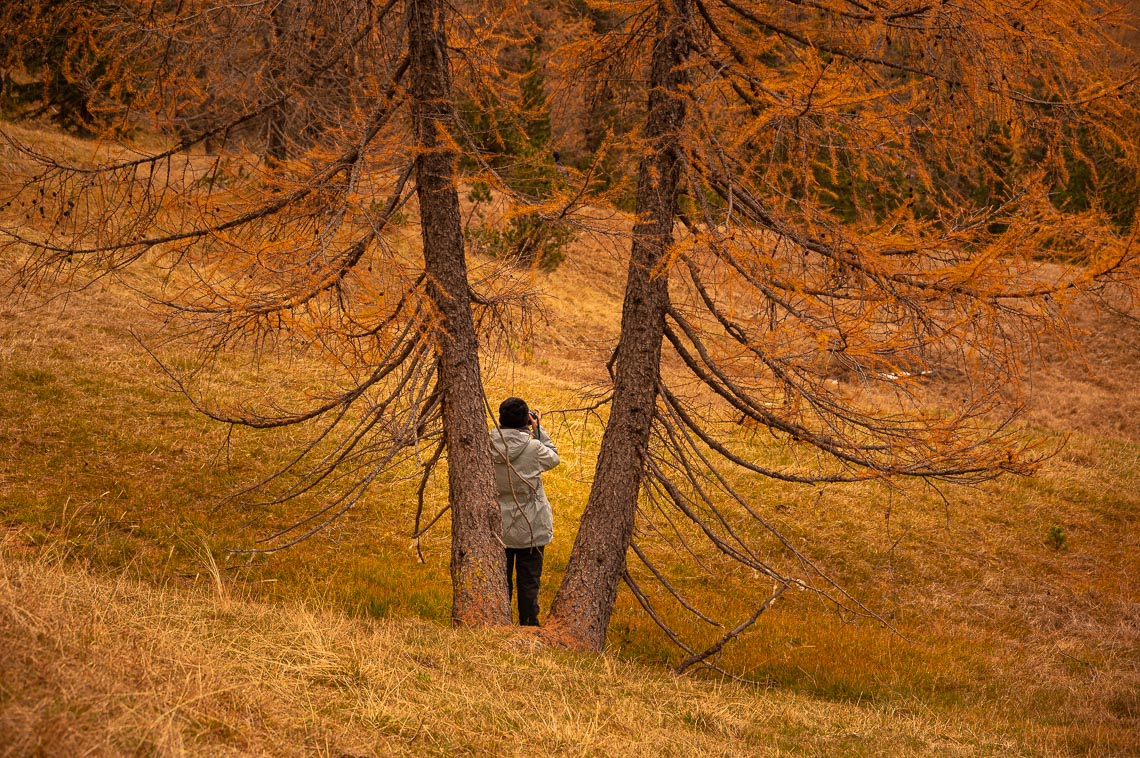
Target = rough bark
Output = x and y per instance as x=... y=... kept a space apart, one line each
x=585 y=600
x=478 y=560
x=284 y=16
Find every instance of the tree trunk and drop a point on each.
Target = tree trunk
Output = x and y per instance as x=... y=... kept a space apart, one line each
x=286 y=17
x=582 y=608
x=478 y=560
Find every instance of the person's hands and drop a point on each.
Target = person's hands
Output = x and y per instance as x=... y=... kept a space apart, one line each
x=535 y=420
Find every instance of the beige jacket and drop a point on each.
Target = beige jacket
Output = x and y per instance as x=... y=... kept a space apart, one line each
x=520 y=460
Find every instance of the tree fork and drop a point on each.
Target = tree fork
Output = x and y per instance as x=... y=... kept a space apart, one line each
x=585 y=601
x=478 y=561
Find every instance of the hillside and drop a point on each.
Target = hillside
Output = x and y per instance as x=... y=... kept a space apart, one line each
x=110 y=666
x=132 y=629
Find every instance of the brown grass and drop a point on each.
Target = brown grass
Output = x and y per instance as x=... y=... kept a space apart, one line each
x=113 y=666
x=1093 y=390
x=1018 y=604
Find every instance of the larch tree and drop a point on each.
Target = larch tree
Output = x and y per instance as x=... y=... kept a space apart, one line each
x=325 y=122
x=581 y=610
x=841 y=207
x=51 y=45
x=478 y=564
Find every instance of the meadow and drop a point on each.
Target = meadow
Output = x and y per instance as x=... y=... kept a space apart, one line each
x=133 y=626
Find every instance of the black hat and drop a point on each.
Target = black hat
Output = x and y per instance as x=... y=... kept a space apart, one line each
x=514 y=414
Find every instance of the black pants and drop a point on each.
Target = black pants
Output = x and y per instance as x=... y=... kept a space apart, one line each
x=528 y=561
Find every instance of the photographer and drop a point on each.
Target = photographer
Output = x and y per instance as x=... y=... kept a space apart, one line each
x=522 y=451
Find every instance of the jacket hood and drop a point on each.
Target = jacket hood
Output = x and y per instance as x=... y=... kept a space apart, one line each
x=512 y=441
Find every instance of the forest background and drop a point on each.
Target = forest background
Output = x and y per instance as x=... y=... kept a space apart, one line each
x=530 y=246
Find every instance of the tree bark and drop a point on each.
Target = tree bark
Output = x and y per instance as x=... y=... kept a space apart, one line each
x=285 y=17
x=478 y=559
x=585 y=601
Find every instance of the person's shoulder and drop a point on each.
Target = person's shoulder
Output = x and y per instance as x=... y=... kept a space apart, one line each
x=537 y=445
x=542 y=446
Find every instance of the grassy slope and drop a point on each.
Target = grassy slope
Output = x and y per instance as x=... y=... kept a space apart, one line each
x=112 y=665
x=1020 y=645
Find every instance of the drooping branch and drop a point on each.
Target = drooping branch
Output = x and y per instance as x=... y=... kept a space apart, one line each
x=736 y=632
x=669 y=586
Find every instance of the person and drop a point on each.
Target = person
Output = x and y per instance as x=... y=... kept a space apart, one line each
x=522 y=451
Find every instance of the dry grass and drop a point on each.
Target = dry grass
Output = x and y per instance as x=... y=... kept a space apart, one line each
x=1019 y=603
x=113 y=666
x=1094 y=390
